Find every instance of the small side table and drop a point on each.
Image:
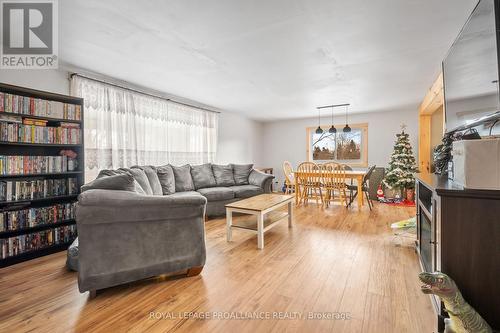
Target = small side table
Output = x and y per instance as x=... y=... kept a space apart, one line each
x=269 y=171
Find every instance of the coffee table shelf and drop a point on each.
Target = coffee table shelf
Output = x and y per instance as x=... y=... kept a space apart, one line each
x=250 y=223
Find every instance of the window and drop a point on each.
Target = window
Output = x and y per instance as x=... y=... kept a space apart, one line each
x=349 y=148
x=125 y=128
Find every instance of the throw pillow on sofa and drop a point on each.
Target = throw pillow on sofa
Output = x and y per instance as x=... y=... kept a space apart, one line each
x=119 y=182
x=223 y=175
x=203 y=176
x=107 y=173
x=241 y=172
x=167 y=179
x=153 y=180
x=140 y=177
x=183 y=180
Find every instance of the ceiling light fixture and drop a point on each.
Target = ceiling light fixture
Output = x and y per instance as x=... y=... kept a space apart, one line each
x=319 y=130
x=346 y=129
x=332 y=129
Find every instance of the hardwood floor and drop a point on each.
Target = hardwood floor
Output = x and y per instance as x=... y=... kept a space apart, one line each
x=331 y=261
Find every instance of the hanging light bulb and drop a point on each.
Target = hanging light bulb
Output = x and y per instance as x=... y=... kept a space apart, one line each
x=319 y=130
x=346 y=129
x=332 y=129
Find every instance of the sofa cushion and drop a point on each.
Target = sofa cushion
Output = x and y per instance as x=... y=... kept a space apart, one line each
x=246 y=191
x=153 y=180
x=183 y=180
x=203 y=176
x=241 y=173
x=223 y=175
x=119 y=182
x=141 y=178
x=167 y=179
x=217 y=193
x=184 y=194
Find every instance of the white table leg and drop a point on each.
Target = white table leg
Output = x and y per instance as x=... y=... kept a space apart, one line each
x=229 y=223
x=260 y=231
x=290 y=214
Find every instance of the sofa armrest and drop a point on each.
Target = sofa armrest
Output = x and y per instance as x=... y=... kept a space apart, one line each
x=109 y=206
x=261 y=179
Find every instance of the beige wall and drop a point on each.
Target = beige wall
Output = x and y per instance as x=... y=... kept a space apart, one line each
x=239 y=140
x=286 y=140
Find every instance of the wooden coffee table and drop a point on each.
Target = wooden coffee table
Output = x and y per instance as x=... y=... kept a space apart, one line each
x=263 y=206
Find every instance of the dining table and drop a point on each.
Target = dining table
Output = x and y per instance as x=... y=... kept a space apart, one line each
x=349 y=174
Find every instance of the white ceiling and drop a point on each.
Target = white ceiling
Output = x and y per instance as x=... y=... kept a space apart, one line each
x=268 y=59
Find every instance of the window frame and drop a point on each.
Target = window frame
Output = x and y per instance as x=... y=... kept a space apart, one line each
x=361 y=163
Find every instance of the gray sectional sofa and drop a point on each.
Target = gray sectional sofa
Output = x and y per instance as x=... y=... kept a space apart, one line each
x=138 y=222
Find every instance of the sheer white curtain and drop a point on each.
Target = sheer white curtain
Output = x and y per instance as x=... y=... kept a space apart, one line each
x=124 y=128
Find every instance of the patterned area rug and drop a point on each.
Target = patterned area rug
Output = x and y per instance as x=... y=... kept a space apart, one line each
x=404 y=203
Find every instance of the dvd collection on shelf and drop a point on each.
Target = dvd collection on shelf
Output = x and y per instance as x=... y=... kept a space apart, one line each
x=26 y=165
x=38 y=107
x=16 y=132
x=17 y=245
x=33 y=217
x=35 y=127
x=18 y=190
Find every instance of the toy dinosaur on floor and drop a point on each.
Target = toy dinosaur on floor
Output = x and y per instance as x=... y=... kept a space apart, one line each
x=463 y=318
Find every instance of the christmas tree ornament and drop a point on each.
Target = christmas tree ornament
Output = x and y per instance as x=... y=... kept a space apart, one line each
x=380 y=193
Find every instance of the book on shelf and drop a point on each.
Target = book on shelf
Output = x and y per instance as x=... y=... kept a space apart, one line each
x=35 y=122
x=25 y=105
x=19 y=190
x=14 y=246
x=10 y=119
x=23 y=165
x=32 y=217
x=70 y=125
x=15 y=132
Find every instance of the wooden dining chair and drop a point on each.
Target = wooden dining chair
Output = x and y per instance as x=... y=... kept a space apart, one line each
x=309 y=182
x=289 y=177
x=333 y=178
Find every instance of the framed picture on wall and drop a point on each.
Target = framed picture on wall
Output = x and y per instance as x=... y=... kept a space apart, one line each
x=348 y=148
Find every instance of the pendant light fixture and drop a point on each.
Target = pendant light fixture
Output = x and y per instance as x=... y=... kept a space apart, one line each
x=332 y=129
x=319 y=130
x=346 y=129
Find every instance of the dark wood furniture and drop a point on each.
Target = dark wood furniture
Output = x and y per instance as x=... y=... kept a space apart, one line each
x=40 y=149
x=458 y=233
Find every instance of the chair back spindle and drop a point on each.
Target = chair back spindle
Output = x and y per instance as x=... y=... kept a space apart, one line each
x=288 y=171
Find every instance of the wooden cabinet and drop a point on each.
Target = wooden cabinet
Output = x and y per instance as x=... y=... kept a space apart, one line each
x=459 y=234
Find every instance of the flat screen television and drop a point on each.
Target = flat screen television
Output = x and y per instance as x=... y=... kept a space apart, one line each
x=470 y=70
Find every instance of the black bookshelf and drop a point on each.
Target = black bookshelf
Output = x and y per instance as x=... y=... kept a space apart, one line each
x=35 y=254
x=35 y=175
x=40 y=149
x=65 y=145
x=48 y=201
x=45 y=226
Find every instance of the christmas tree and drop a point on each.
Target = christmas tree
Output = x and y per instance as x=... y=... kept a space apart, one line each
x=399 y=175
